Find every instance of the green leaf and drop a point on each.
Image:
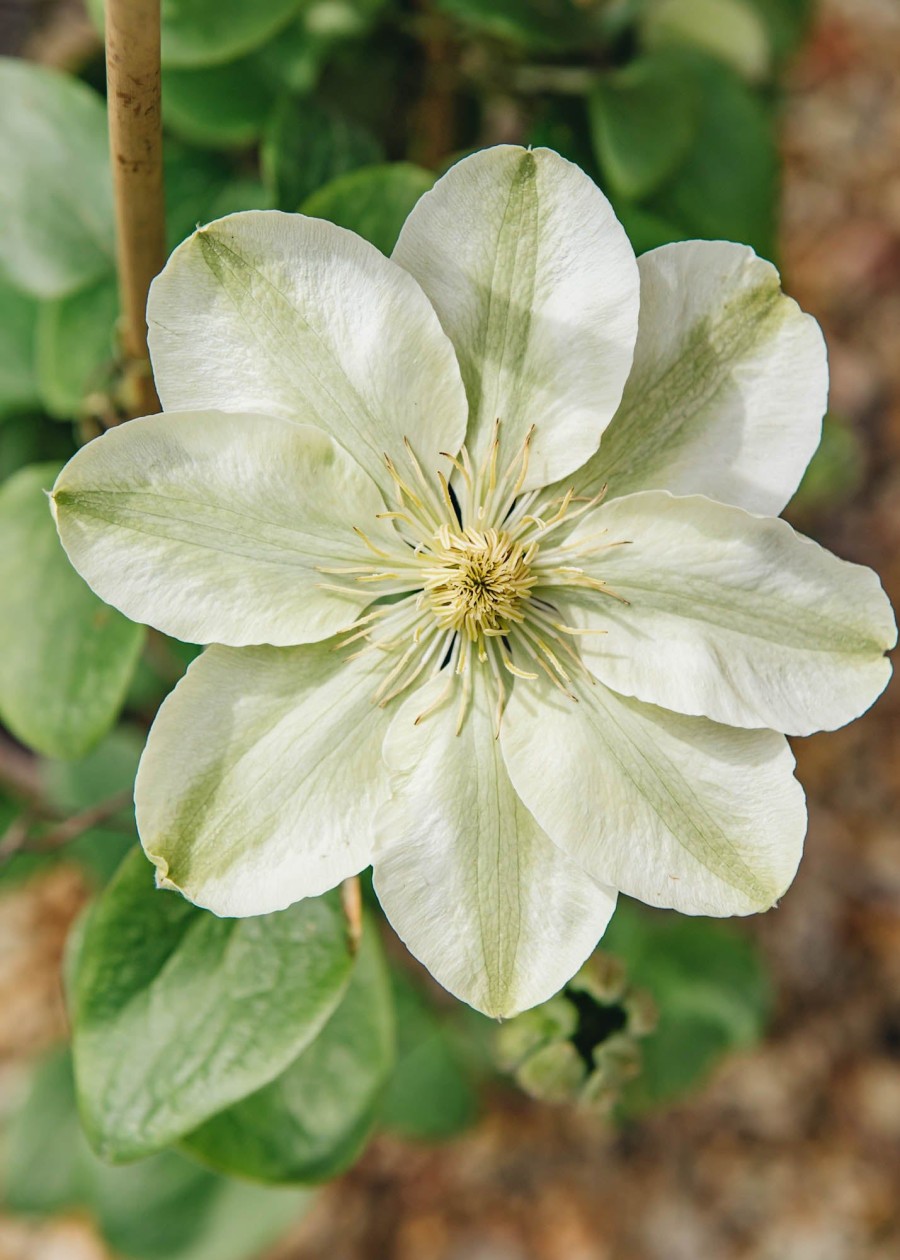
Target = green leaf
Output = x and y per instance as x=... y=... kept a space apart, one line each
x=430 y=1096
x=177 y=1014
x=163 y=1208
x=306 y=145
x=373 y=202
x=312 y=1121
x=18 y=319
x=65 y=657
x=76 y=349
x=645 y=229
x=709 y=985
x=209 y=32
x=787 y=22
x=727 y=186
x=26 y=439
x=56 y=195
x=551 y=25
x=835 y=472
x=732 y=30
x=643 y=119
x=219 y=106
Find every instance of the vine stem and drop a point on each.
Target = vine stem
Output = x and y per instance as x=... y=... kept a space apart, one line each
x=135 y=142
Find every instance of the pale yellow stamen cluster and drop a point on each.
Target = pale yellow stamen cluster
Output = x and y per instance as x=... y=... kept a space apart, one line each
x=479 y=581
x=470 y=577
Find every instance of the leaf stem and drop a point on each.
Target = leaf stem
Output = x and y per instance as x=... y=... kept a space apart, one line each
x=135 y=141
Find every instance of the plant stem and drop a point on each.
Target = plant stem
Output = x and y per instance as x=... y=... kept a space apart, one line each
x=135 y=141
x=351 y=900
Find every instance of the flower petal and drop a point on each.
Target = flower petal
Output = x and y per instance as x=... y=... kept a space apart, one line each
x=261 y=776
x=728 y=388
x=466 y=876
x=732 y=616
x=535 y=284
x=294 y=317
x=212 y=526
x=676 y=811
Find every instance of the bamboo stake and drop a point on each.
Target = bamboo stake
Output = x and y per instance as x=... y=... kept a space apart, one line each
x=135 y=141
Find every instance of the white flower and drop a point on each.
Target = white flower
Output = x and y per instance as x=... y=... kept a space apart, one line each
x=513 y=671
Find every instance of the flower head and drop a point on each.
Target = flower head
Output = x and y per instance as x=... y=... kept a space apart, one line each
x=485 y=539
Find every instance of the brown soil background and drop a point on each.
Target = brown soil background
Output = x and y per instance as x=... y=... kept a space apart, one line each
x=791 y=1152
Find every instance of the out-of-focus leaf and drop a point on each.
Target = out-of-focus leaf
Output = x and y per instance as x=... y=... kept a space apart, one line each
x=163 y=1208
x=313 y=1120
x=306 y=146
x=219 y=106
x=239 y=194
x=643 y=119
x=18 y=319
x=55 y=195
x=710 y=988
x=430 y=1096
x=65 y=657
x=373 y=202
x=549 y=25
x=210 y=32
x=26 y=439
x=177 y=1014
x=835 y=472
x=645 y=229
x=726 y=188
x=786 y=22
x=732 y=30
x=194 y=178
x=76 y=347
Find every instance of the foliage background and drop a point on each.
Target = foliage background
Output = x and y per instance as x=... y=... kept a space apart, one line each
x=791 y=1149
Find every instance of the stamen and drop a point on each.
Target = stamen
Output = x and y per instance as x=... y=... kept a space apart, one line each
x=475 y=581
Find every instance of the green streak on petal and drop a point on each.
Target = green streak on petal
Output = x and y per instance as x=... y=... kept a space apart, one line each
x=509 y=302
x=659 y=416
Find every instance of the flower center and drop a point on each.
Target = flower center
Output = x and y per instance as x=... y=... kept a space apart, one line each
x=471 y=580
x=478 y=581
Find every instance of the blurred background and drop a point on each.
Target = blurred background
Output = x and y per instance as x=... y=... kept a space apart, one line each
x=765 y=1123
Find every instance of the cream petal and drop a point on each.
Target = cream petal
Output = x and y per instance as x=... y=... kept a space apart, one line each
x=732 y=616
x=728 y=388
x=262 y=775
x=294 y=317
x=673 y=810
x=213 y=527
x=535 y=284
x=470 y=882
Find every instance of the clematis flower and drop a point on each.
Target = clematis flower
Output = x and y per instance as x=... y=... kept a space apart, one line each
x=484 y=539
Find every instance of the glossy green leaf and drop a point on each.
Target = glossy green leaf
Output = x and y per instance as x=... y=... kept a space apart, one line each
x=65 y=657
x=55 y=194
x=643 y=119
x=177 y=1014
x=163 y=1208
x=75 y=348
x=373 y=202
x=313 y=1120
x=430 y=1097
x=306 y=146
x=18 y=318
x=727 y=186
x=710 y=988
